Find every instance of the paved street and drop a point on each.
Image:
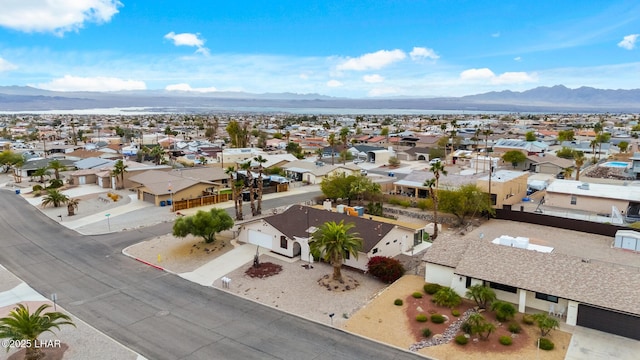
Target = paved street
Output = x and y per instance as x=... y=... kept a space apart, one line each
x=158 y=315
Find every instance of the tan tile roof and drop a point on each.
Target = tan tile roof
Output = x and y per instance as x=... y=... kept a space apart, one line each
x=553 y=273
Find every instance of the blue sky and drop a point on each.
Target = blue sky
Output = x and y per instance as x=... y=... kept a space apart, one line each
x=337 y=48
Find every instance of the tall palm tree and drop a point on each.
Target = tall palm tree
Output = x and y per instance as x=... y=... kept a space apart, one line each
x=332 y=142
x=55 y=198
x=119 y=168
x=579 y=158
x=260 y=160
x=246 y=166
x=20 y=324
x=230 y=171
x=238 y=185
x=437 y=169
x=56 y=166
x=72 y=206
x=333 y=242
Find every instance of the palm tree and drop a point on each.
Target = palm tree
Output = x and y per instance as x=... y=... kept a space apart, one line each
x=119 y=168
x=55 y=198
x=72 y=206
x=238 y=185
x=437 y=169
x=482 y=295
x=332 y=143
x=567 y=172
x=21 y=325
x=246 y=166
x=230 y=171
x=333 y=242
x=260 y=160
x=158 y=154
x=41 y=173
x=56 y=166
x=579 y=158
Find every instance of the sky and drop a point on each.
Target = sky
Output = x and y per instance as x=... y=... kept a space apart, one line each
x=346 y=48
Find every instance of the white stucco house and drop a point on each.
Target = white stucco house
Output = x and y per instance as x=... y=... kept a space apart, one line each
x=288 y=234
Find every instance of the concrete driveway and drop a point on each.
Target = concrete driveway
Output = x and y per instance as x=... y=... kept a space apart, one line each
x=592 y=344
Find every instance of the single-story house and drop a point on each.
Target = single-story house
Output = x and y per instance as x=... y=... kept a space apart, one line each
x=161 y=188
x=288 y=234
x=592 y=197
x=527 y=147
x=547 y=164
x=591 y=294
x=508 y=187
x=314 y=173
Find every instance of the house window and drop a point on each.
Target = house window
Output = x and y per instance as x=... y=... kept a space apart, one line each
x=503 y=287
x=347 y=255
x=468 y=282
x=546 y=297
x=494 y=199
x=283 y=242
x=574 y=200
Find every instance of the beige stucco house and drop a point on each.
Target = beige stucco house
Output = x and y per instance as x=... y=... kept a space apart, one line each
x=507 y=187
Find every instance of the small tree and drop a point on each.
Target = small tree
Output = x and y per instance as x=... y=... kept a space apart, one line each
x=514 y=157
x=394 y=161
x=118 y=171
x=72 y=206
x=545 y=323
x=480 y=326
x=530 y=136
x=448 y=297
x=56 y=166
x=332 y=241
x=205 y=224
x=482 y=295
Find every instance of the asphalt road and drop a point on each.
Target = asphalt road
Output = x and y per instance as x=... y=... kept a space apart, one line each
x=159 y=315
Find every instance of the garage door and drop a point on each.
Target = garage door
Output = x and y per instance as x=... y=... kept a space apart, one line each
x=148 y=197
x=609 y=321
x=260 y=239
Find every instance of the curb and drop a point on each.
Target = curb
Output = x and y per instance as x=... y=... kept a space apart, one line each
x=125 y=253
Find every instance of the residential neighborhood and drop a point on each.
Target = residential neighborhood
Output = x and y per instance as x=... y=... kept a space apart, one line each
x=396 y=181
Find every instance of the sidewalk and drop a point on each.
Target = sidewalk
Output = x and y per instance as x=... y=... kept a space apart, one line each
x=84 y=341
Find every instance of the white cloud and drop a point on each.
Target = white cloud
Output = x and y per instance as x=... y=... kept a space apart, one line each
x=373 y=61
x=187 y=87
x=419 y=53
x=374 y=78
x=6 y=66
x=488 y=76
x=629 y=42
x=477 y=74
x=99 y=83
x=495 y=35
x=334 y=83
x=58 y=16
x=517 y=58
x=188 y=39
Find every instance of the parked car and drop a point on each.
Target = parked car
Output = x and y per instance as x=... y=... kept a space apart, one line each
x=434 y=161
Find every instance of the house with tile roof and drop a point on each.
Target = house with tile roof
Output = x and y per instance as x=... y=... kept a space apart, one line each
x=598 y=295
x=288 y=233
x=162 y=188
x=315 y=172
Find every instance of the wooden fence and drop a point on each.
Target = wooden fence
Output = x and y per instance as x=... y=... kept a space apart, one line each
x=200 y=201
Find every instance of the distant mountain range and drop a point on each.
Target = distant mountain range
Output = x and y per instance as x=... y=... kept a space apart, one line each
x=541 y=99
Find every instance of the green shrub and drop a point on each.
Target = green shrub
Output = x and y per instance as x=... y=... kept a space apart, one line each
x=546 y=344
x=417 y=295
x=528 y=319
x=505 y=340
x=455 y=312
x=431 y=288
x=448 y=297
x=55 y=183
x=437 y=319
x=426 y=332
x=461 y=340
x=466 y=327
x=424 y=204
x=37 y=187
x=398 y=302
x=421 y=318
x=405 y=203
x=504 y=310
x=514 y=328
